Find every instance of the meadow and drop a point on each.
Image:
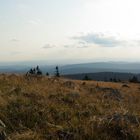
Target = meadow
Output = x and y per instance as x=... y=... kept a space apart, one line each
x=49 y=108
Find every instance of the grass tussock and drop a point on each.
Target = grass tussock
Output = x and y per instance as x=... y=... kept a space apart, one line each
x=41 y=108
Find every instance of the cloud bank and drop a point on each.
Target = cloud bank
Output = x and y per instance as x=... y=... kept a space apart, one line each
x=100 y=39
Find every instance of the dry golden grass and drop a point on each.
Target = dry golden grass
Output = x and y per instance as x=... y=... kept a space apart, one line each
x=42 y=108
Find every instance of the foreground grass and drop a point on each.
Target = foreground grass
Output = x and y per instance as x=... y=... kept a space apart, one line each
x=41 y=108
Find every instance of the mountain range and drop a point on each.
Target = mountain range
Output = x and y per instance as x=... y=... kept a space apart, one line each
x=121 y=67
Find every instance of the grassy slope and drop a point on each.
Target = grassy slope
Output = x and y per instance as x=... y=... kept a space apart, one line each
x=40 y=108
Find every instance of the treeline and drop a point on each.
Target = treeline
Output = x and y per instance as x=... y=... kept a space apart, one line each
x=86 y=77
x=134 y=79
x=38 y=71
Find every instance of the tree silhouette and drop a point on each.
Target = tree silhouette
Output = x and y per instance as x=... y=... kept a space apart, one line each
x=38 y=71
x=134 y=79
x=86 y=78
x=111 y=79
x=37 y=68
x=114 y=79
x=31 y=71
x=47 y=74
x=34 y=71
x=57 y=74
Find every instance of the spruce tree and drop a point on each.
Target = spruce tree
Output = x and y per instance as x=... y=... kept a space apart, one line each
x=38 y=71
x=57 y=74
x=47 y=74
x=86 y=78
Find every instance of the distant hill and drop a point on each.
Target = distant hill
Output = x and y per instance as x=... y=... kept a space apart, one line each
x=101 y=67
x=103 y=76
x=121 y=67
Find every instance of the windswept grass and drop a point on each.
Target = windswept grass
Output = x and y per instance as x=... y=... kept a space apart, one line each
x=41 y=108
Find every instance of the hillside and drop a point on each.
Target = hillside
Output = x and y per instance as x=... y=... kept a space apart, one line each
x=103 y=76
x=122 y=67
x=44 y=108
x=66 y=69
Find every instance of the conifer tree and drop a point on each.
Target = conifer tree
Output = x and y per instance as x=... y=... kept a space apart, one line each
x=47 y=74
x=38 y=71
x=57 y=74
x=86 y=78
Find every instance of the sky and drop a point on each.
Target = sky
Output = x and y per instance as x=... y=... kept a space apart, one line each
x=69 y=30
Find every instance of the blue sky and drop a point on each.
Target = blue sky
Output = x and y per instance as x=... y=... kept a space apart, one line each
x=69 y=30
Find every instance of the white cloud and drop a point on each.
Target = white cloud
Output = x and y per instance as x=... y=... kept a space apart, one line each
x=105 y=40
x=48 y=46
x=99 y=39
